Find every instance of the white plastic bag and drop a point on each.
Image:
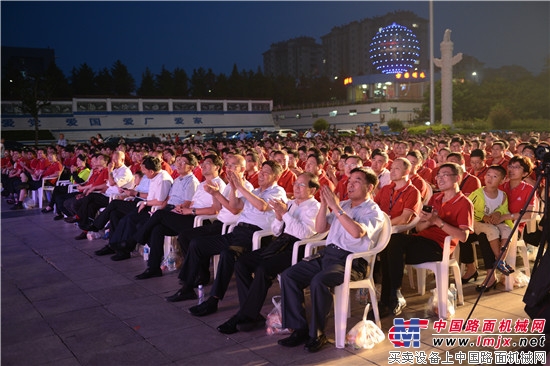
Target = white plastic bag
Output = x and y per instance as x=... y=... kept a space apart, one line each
x=274 y=320
x=365 y=334
x=433 y=305
x=520 y=279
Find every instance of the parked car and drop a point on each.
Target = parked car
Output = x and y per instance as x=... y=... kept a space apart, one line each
x=347 y=133
x=283 y=133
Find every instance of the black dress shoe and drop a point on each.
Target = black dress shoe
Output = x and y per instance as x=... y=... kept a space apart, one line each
x=45 y=210
x=120 y=256
x=298 y=337
x=106 y=250
x=315 y=344
x=71 y=219
x=182 y=294
x=149 y=273
x=230 y=326
x=208 y=307
x=88 y=227
x=83 y=235
x=58 y=217
x=250 y=325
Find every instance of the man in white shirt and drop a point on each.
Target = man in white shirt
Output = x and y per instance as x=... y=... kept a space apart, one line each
x=353 y=226
x=181 y=218
x=255 y=271
x=119 y=176
x=256 y=215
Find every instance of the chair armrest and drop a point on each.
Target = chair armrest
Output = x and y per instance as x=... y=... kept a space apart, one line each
x=406 y=227
x=199 y=219
x=257 y=238
x=447 y=250
x=314 y=244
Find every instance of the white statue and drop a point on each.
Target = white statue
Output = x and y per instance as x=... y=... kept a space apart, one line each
x=445 y=63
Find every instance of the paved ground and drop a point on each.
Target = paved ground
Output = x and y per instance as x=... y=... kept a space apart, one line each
x=62 y=305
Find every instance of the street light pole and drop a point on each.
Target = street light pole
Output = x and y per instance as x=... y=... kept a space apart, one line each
x=432 y=89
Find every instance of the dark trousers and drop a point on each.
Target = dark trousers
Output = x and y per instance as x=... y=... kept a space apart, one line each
x=228 y=246
x=162 y=223
x=89 y=206
x=57 y=191
x=321 y=275
x=401 y=249
x=123 y=238
x=255 y=271
x=114 y=212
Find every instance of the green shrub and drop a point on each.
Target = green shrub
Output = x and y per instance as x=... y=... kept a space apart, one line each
x=500 y=117
x=395 y=125
x=321 y=125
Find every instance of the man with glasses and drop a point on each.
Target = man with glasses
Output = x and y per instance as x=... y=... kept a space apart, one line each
x=255 y=271
x=256 y=215
x=451 y=214
x=181 y=218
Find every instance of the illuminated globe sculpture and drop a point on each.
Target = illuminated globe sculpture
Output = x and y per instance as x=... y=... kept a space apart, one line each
x=394 y=49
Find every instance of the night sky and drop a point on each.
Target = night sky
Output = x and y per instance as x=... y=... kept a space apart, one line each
x=219 y=34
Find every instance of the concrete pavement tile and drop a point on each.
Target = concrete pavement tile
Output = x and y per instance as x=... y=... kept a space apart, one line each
x=87 y=270
x=25 y=330
x=140 y=306
x=137 y=353
x=155 y=323
x=79 y=319
x=18 y=311
x=52 y=290
x=35 y=351
x=102 y=282
x=178 y=345
x=71 y=361
x=119 y=293
x=86 y=342
x=232 y=355
x=63 y=304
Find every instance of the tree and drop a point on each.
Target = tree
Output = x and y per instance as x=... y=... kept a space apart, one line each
x=35 y=95
x=58 y=81
x=83 y=80
x=104 y=82
x=147 y=87
x=181 y=83
x=123 y=82
x=321 y=125
x=164 y=83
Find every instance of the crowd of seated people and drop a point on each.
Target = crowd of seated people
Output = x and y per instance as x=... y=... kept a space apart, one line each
x=146 y=191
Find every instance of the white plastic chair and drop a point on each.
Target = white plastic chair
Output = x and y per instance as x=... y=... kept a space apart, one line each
x=405 y=229
x=342 y=292
x=515 y=245
x=441 y=271
x=45 y=188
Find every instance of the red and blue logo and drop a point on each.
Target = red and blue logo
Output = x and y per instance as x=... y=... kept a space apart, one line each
x=406 y=333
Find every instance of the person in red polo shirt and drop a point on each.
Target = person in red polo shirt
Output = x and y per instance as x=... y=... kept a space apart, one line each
x=314 y=165
x=478 y=167
x=341 y=189
x=287 y=178
x=451 y=214
x=416 y=159
x=469 y=182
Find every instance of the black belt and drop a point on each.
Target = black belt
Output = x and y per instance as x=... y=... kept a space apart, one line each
x=249 y=226
x=334 y=246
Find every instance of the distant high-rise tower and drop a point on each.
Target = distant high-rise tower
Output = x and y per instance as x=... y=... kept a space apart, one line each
x=296 y=57
x=346 y=48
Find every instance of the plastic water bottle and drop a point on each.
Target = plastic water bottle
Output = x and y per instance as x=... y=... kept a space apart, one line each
x=452 y=290
x=362 y=296
x=171 y=261
x=107 y=234
x=201 y=294
x=146 y=250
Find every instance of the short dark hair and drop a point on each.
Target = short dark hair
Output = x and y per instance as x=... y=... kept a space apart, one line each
x=152 y=163
x=478 y=153
x=313 y=180
x=370 y=176
x=216 y=160
x=417 y=154
x=275 y=167
x=320 y=159
x=457 y=169
x=498 y=168
x=378 y=152
x=456 y=155
x=191 y=158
